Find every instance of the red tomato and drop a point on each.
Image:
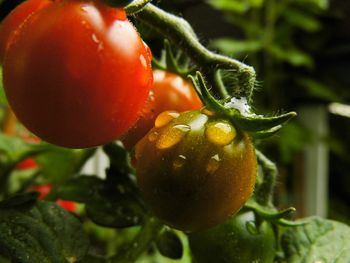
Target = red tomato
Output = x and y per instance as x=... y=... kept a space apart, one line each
x=13 y=22
x=45 y=189
x=29 y=163
x=169 y=92
x=77 y=74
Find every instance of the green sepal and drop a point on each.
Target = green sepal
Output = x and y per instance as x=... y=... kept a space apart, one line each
x=169 y=244
x=267 y=133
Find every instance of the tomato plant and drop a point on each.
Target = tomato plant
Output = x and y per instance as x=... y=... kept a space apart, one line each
x=169 y=92
x=70 y=69
x=241 y=239
x=195 y=169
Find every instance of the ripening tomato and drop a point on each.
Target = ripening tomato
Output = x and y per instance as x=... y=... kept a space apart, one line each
x=195 y=169
x=13 y=22
x=76 y=73
x=45 y=189
x=169 y=92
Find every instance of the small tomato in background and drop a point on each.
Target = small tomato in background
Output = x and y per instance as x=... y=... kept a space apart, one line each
x=76 y=73
x=169 y=92
x=45 y=189
x=29 y=163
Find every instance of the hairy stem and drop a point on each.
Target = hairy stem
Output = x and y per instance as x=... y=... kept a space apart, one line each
x=179 y=32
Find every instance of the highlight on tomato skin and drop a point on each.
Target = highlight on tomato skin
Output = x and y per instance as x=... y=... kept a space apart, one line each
x=77 y=74
x=45 y=189
x=195 y=169
x=169 y=92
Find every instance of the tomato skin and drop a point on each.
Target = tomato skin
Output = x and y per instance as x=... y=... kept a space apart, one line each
x=188 y=181
x=13 y=22
x=231 y=242
x=77 y=74
x=45 y=189
x=169 y=92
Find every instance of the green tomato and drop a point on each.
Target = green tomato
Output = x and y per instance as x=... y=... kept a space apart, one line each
x=238 y=240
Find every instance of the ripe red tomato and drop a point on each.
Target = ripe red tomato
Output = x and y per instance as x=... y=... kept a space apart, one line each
x=13 y=22
x=195 y=169
x=29 y=163
x=77 y=74
x=45 y=189
x=169 y=92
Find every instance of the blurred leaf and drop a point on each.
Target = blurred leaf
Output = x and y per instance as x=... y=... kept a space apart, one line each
x=292 y=139
x=81 y=189
x=236 y=6
x=3 y=100
x=318 y=90
x=169 y=244
x=322 y=4
x=27 y=199
x=44 y=233
x=292 y=56
x=58 y=164
x=302 y=20
x=320 y=240
x=236 y=47
x=93 y=259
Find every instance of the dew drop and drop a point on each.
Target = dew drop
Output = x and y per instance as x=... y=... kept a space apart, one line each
x=165 y=117
x=220 y=133
x=153 y=136
x=172 y=136
x=179 y=162
x=213 y=164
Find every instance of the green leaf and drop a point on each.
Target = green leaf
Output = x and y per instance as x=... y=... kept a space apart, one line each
x=19 y=200
x=3 y=100
x=45 y=233
x=318 y=90
x=169 y=244
x=292 y=56
x=320 y=240
x=236 y=47
x=302 y=20
x=235 y=6
x=59 y=164
x=321 y=4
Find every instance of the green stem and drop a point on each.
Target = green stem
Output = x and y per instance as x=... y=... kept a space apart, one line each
x=265 y=191
x=179 y=32
x=149 y=231
x=136 y=6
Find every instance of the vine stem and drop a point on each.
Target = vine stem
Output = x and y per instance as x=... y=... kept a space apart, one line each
x=179 y=32
x=149 y=231
x=264 y=192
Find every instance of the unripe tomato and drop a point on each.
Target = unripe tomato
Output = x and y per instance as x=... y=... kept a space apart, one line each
x=195 y=169
x=233 y=242
x=13 y=22
x=169 y=92
x=77 y=74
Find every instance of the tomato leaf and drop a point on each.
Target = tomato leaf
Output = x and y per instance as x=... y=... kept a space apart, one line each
x=320 y=240
x=44 y=233
x=169 y=244
x=19 y=200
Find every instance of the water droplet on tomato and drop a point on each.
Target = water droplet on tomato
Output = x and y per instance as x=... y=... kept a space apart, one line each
x=165 y=117
x=179 y=162
x=213 y=164
x=220 y=133
x=172 y=136
x=153 y=136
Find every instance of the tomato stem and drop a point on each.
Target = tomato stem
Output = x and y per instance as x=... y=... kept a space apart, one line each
x=264 y=192
x=150 y=230
x=179 y=32
x=136 y=6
